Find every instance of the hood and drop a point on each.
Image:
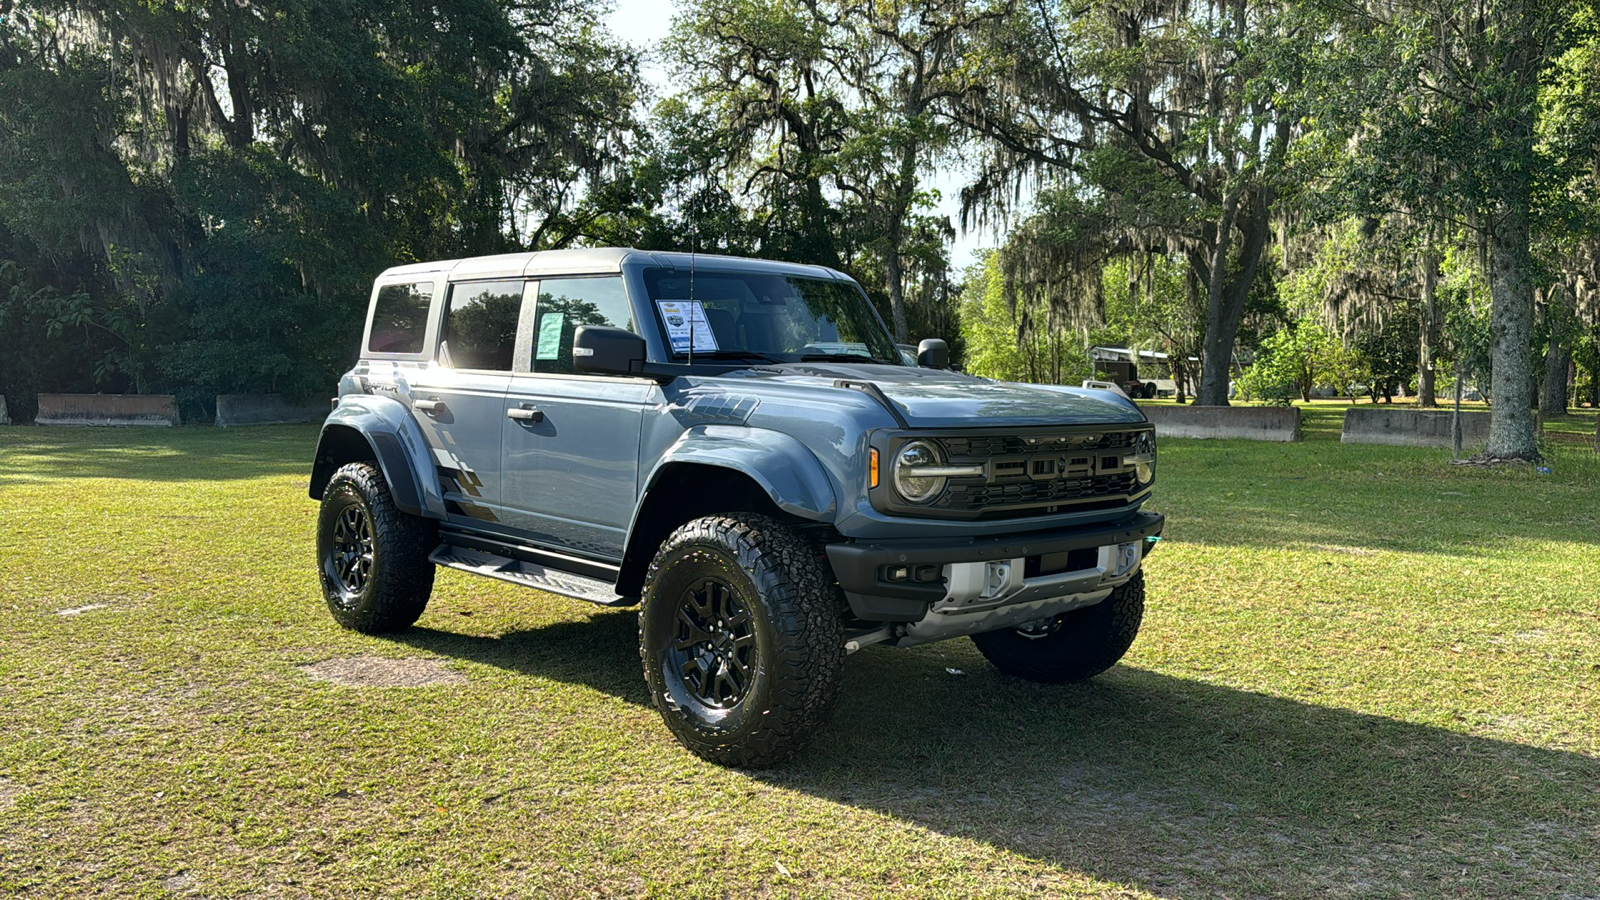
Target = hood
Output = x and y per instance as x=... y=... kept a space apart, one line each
x=930 y=398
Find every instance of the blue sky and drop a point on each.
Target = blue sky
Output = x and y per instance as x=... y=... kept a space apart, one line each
x=643 y=22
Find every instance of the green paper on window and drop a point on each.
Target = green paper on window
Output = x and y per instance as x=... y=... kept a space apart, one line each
x=550 y=336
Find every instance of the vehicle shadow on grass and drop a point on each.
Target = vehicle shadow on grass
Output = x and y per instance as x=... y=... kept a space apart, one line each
x=1178 y=787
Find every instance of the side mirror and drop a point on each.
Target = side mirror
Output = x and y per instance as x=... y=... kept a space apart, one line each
x=933 y=353
x=606 y=350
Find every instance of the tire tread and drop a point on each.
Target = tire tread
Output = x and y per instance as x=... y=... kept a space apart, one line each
x=403 y=574
x=803 y=604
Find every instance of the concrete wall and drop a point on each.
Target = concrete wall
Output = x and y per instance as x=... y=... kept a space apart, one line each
x=107 y=409
x=1411 y=427
x=1252 y=423
x=267 y=409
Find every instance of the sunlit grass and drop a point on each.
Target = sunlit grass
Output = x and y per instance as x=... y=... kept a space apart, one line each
x=1363 y=672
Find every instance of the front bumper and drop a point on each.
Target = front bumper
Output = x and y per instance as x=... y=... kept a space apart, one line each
x=978 y=574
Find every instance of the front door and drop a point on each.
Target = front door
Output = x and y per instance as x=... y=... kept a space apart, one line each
x=571 y=457
x=460 y=397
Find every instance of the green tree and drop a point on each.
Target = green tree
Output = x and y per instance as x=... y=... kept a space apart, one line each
x=1456 y=113
x=762 y=95
x=1163 y=119
x=1150 y=305
x=823 y=119
x=214 y=184
x=1016 y=340
x=1295 y=359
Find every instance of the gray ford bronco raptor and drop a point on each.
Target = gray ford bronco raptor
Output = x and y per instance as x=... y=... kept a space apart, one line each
x=737 y=447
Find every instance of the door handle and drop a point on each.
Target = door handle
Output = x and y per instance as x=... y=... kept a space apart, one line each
x=525 y=413
x=428 y=406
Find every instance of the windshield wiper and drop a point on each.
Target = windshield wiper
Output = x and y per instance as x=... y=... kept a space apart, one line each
x=737 y=354
x=843 y=357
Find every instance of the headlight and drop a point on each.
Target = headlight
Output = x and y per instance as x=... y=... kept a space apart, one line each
x=1143 y=457
x=914 y=485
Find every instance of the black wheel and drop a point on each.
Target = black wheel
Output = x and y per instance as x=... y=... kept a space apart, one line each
x=1150 y=391
x=372 y=557
x=741 y=633
x=1073 y=646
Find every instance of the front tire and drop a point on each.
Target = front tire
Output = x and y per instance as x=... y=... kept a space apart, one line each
x=372 y=558
x=1074 y=646
x=742 y=639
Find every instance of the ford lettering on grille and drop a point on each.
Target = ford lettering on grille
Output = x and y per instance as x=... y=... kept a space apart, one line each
x=1040 y=474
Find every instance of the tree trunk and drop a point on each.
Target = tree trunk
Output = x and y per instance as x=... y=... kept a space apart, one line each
x=1455 y=420
x=1511 y=328
x=1429 y=329
x=1226 y=296
x=893 y=272
x=818 y=235
x=1554 y=399
x=905 y=187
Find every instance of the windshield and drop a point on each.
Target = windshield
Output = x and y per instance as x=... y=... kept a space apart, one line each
x=768 y=317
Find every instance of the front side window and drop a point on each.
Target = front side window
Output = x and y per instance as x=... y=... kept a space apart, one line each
x=780 y=318
x=480 y=325
x=566 y=303
x=400 y=318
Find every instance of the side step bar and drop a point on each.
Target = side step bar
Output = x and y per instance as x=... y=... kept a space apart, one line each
x=529 y=574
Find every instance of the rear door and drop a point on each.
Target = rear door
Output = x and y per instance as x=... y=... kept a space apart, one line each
x=571 y=448
x=460 y=397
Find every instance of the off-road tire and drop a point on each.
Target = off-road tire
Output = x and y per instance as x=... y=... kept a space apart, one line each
x=1082 y=644
x=792 y=617
x=392 y=589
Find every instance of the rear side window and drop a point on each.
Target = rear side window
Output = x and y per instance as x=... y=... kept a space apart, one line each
x=400 y=318
x=480 y=325
x=566 y=303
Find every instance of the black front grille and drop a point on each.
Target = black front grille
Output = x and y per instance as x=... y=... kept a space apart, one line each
x=1027 y=475
x=974 y=494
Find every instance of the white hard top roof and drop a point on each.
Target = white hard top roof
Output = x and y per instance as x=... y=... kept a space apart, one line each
x=1123 y=353
x=590 y=261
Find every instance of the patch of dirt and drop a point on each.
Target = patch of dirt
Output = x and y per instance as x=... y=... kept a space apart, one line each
x=1483 y=460
x=80 y=610
x=377 y=671
x=10 y=793
x=91 y=602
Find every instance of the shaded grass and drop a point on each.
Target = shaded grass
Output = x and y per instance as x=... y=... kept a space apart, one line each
x=1363 y=672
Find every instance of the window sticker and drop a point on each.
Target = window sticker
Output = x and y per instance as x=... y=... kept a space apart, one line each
x=685 y=318
x=550 y=336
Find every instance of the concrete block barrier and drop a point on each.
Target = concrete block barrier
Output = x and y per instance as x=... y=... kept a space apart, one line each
x=107 y=409
x=1411 y=427
x=266 y=409
x=1251 y=423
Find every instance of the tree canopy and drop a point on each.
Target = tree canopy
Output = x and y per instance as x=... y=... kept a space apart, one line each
x=195 y=195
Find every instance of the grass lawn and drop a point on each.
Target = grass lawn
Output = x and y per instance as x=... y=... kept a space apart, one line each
x=1363 y=673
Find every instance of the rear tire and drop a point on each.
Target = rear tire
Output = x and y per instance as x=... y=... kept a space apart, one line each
x=742 y=639
x=372 y=558
x=1074 y=646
